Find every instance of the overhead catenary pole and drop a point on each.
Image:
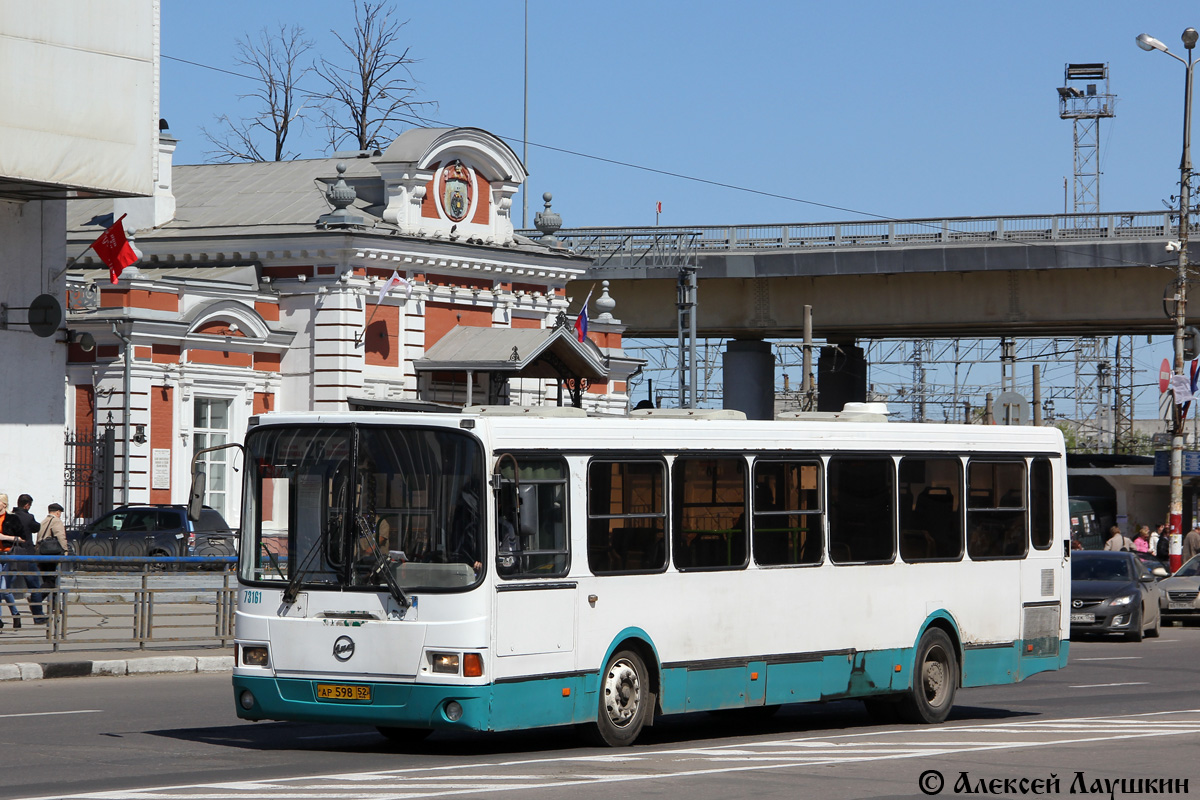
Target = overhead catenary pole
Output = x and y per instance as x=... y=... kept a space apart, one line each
x=1175 y=510
x=806 y=380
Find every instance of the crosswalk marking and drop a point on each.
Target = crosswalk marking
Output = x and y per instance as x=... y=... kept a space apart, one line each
x=677 y=763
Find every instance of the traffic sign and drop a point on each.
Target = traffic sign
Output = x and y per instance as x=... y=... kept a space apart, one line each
x=1011 y=409
x=1164 y=375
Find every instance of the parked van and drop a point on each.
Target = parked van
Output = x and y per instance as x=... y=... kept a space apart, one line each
x=1085 y=525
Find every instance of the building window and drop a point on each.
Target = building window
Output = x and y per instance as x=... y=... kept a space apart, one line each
x=210 y=428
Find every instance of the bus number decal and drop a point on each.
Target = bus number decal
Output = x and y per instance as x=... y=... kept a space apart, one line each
x=252 y=596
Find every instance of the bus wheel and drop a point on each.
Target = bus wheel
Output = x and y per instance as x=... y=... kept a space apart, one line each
x=404 y=736
x=935 y=680
x=624 y=700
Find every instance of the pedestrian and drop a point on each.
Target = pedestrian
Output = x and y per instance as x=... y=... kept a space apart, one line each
x=1191 y=544
x=1163 y=548
x=1142 y=543
x=1117 y=540
x=22 y=525
x=51 y=541
x=1155 y=535
x=6 y=543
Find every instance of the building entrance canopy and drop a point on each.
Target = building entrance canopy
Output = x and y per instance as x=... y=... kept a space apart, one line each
x=504 y=353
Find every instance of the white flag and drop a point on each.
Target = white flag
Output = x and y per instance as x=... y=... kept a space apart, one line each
x=392 y=282
x=1182 y=389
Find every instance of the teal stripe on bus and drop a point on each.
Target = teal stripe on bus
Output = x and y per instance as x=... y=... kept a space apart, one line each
x=562 y=700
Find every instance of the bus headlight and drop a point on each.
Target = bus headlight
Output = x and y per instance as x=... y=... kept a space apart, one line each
x=255 y=656
x=453 y=711
x=445 y=663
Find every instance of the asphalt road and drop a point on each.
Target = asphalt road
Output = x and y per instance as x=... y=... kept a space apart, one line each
x=1120 y=711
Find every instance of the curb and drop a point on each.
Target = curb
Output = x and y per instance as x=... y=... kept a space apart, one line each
x=156 y=665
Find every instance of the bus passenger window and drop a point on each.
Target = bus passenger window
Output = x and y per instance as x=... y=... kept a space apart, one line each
x=787 y=513
x=996 y=524
x=861 y=517
x=710 y=513
x=930 y=509
x=1041 y=493
x=626 y=517
x=531 y=521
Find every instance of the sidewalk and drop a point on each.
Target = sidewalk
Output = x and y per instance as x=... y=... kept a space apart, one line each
x=132 y=661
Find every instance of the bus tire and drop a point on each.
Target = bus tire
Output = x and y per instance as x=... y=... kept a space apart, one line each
x=624 y=700
x=935 y=680
x=404 y=736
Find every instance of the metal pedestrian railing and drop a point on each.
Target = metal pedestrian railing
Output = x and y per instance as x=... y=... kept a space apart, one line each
x=100 y=602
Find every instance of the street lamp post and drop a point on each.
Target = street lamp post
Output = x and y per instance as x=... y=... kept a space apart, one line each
x=1147 y=42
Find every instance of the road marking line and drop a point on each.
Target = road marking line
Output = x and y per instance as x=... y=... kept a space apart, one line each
x=756 y=757
x=51 y=713
x=1110 y=658
x=1103 y=685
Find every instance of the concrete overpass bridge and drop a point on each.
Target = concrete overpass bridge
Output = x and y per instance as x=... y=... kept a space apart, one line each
x=1022 y=276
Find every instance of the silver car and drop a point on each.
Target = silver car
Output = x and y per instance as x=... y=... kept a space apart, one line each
x=1180 y=592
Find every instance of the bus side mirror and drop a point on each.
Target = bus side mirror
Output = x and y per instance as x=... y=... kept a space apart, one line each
x=196 y=498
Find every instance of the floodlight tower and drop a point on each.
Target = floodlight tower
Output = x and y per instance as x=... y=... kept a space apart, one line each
x=1084 y=99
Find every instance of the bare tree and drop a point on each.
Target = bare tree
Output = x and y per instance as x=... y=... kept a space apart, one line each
x=365 y=102
x=275 y=60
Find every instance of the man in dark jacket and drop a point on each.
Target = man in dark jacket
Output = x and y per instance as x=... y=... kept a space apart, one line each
x=23 y=525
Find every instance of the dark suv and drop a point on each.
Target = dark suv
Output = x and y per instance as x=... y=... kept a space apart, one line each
x=155 y=531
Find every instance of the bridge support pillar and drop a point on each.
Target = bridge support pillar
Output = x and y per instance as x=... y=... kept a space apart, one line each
x=748 y=378
x=841 y=376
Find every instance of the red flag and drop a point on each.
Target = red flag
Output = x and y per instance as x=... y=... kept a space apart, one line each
x=658 y=210
x=115 y=250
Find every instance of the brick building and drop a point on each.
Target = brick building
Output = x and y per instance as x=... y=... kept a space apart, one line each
x=262 y=288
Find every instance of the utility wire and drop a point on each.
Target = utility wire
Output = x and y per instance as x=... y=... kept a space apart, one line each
x=426 y=122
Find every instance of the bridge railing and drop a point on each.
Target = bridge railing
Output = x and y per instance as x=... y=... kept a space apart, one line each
x=656 y=245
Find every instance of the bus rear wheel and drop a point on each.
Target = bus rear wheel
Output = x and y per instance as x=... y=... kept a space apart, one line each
x=624 y=700
x=935 y=681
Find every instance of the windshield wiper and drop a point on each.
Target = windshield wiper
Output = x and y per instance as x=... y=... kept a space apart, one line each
x=382 y=565
x=293 y=587
x=273 y=558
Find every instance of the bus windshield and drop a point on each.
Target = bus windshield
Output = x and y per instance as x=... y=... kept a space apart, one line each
x=370 y=507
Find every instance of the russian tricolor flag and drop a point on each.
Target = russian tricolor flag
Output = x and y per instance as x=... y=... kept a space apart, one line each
x=581 y=321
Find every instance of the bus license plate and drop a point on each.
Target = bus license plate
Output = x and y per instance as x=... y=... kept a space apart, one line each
x=342 y=691
x=1083 y=618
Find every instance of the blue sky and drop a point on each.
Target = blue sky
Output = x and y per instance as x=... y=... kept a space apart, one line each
x=899 y=109
x=915 y=109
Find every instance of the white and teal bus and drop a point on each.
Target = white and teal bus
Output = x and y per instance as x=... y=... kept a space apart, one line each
x=509 y=568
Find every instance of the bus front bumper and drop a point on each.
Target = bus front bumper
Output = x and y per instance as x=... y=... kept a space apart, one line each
x=403 y=705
